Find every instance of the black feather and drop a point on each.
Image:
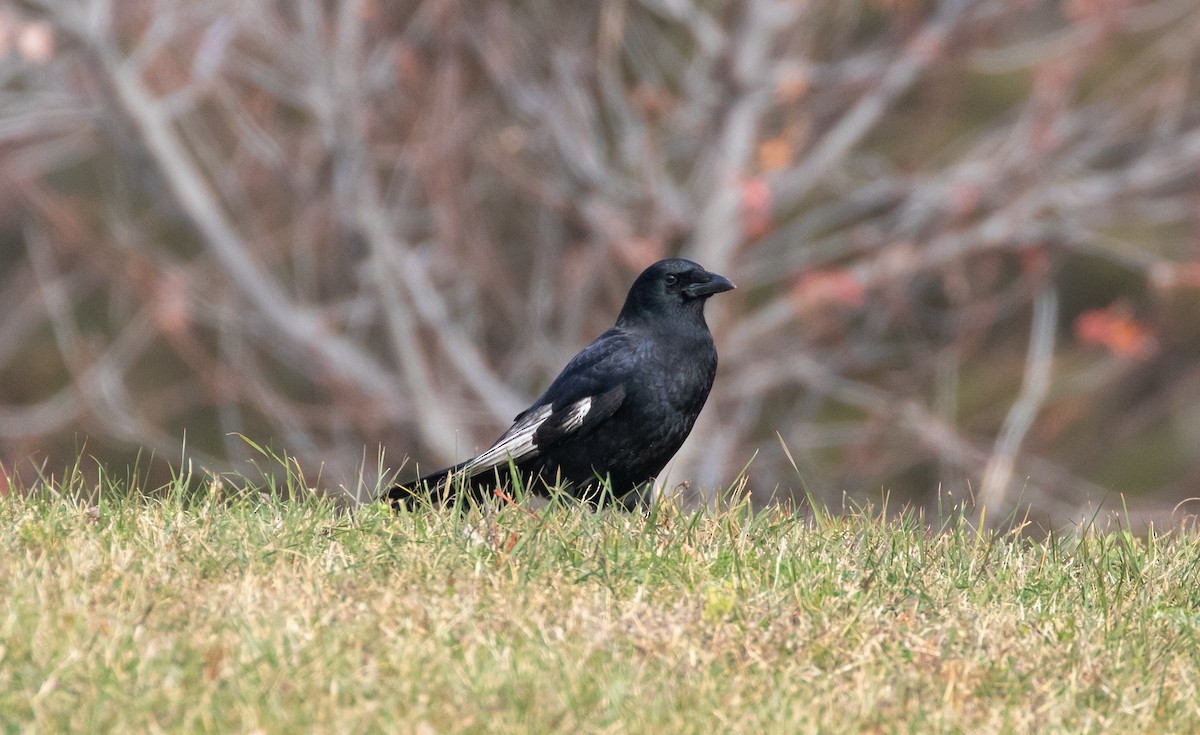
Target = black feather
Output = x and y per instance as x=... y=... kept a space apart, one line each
x=619 y=410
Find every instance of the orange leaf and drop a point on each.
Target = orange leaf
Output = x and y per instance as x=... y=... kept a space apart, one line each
x=756 y=208
x=639 y=252
x=775 y=153
x=1035 y=262
x=839 y=287
x=1115 y=329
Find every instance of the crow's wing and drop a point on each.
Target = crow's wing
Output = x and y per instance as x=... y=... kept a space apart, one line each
x=589 y=390
x=543 y=427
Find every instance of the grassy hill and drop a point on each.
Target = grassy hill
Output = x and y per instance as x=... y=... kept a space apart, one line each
x=226 y=611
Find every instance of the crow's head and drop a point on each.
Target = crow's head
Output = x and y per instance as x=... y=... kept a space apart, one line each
x=670 y=288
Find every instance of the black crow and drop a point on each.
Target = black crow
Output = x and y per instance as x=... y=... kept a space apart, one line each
x=618 y=411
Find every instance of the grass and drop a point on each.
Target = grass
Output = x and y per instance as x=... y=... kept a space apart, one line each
x=227 y=611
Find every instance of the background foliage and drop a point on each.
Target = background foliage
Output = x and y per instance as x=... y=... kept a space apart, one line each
x=964 y=233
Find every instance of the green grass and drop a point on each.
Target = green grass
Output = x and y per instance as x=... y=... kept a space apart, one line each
x=225 y=611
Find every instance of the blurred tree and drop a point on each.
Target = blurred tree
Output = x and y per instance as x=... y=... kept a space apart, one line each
x=965 y=232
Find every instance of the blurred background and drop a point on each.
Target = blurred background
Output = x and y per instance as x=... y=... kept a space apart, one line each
x=965 y=236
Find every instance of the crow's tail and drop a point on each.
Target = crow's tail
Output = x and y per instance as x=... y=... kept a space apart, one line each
x=438 y=487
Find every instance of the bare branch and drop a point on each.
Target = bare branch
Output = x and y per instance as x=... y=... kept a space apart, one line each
x=997 y=475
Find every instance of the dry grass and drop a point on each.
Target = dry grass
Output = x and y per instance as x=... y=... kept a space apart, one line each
x=227 y=612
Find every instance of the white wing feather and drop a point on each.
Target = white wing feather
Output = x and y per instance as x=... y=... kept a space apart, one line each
x=517 y=442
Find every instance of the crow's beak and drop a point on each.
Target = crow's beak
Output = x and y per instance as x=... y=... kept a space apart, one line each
x=709 y=284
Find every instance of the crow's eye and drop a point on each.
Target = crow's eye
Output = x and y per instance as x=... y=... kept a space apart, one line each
x=671 y=279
